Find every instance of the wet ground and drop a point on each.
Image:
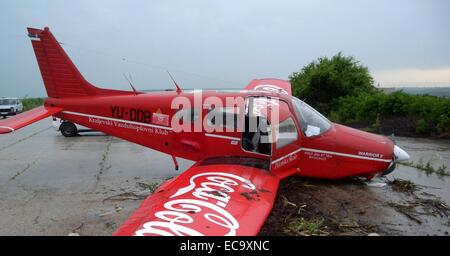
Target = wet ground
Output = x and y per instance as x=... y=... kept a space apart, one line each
x=52 y=185
x=409 y=201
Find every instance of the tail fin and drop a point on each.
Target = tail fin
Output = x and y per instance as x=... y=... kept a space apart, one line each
x=61 y=78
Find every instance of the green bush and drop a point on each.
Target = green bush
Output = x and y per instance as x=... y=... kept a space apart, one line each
x=432 y=113
x=30 y=103
x=341 y=88
x=420 y=126
x=443 y=125
x=323 y=81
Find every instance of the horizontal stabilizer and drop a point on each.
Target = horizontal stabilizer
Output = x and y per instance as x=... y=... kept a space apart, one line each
x=16 y=122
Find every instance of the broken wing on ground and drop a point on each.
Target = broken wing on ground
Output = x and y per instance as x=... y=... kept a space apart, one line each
x=210 y=198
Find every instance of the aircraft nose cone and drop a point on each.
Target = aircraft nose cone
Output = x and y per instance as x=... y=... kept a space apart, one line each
x=400 y=154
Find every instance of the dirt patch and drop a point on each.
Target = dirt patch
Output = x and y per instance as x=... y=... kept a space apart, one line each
x=217 y=193
x=251 y=196
x=404 y=186
x=125 y=196
x=417 y=207
x=400 y=126
x=312 y=207
x=307 y=207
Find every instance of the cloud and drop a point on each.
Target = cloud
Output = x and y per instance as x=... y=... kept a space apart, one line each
x=412 y=77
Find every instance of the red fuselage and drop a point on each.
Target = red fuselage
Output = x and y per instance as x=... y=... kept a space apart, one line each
x=336 y=153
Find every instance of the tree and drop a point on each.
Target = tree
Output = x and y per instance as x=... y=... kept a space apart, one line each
x=322 y=82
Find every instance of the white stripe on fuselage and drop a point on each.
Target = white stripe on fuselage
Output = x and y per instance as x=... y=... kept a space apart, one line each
x=226 y=137
x=221 y=136
x=331 y=153
x=117 y=120
x=347 y=155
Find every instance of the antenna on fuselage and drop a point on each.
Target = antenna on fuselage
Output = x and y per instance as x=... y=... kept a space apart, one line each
x=178 y=87
x=131 y=84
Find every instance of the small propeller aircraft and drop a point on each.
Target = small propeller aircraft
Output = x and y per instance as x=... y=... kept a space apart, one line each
x=243 y=142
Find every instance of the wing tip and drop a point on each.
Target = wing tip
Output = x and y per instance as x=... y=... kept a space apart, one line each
x=5 y=129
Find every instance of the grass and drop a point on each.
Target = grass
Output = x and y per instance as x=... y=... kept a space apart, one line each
x=440 y=171
x=305 y=227
x=152 y=186
x=428 y=168
x=436 y=207
x=30 y=103
x=404 y=186
x=422 y=206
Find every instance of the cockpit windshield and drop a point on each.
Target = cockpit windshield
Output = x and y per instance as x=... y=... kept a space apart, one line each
x=312 y=122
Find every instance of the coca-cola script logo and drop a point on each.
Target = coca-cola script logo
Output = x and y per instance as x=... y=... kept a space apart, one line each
x=271 y=88
x=210 y=199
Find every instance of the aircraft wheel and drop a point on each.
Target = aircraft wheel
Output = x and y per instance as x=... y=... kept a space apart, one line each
x=68 y=129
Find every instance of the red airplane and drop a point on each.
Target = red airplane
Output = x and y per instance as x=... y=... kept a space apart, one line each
x=231 y=188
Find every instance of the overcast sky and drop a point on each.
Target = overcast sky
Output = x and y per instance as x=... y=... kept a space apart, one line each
x=225 y=44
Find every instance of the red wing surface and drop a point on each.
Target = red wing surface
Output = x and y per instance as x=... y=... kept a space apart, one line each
x=16 y=122
x=270 y=84
x=207 y=199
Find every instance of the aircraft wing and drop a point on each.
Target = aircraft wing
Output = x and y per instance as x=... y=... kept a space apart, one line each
x=16 y=122
x=210 y=198
x=270 y=84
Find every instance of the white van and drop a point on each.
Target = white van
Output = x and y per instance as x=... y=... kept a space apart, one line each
x=68 y=129
x=10 y=106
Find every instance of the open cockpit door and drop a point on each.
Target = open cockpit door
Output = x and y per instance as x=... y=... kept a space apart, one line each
x=271 y=130
x=286 y=139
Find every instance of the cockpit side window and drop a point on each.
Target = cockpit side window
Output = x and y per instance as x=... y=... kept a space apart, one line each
x=311 y=121
x=286 y=133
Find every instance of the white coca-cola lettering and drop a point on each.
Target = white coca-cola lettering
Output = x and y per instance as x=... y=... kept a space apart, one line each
x=174 y=220
x=270 y=88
